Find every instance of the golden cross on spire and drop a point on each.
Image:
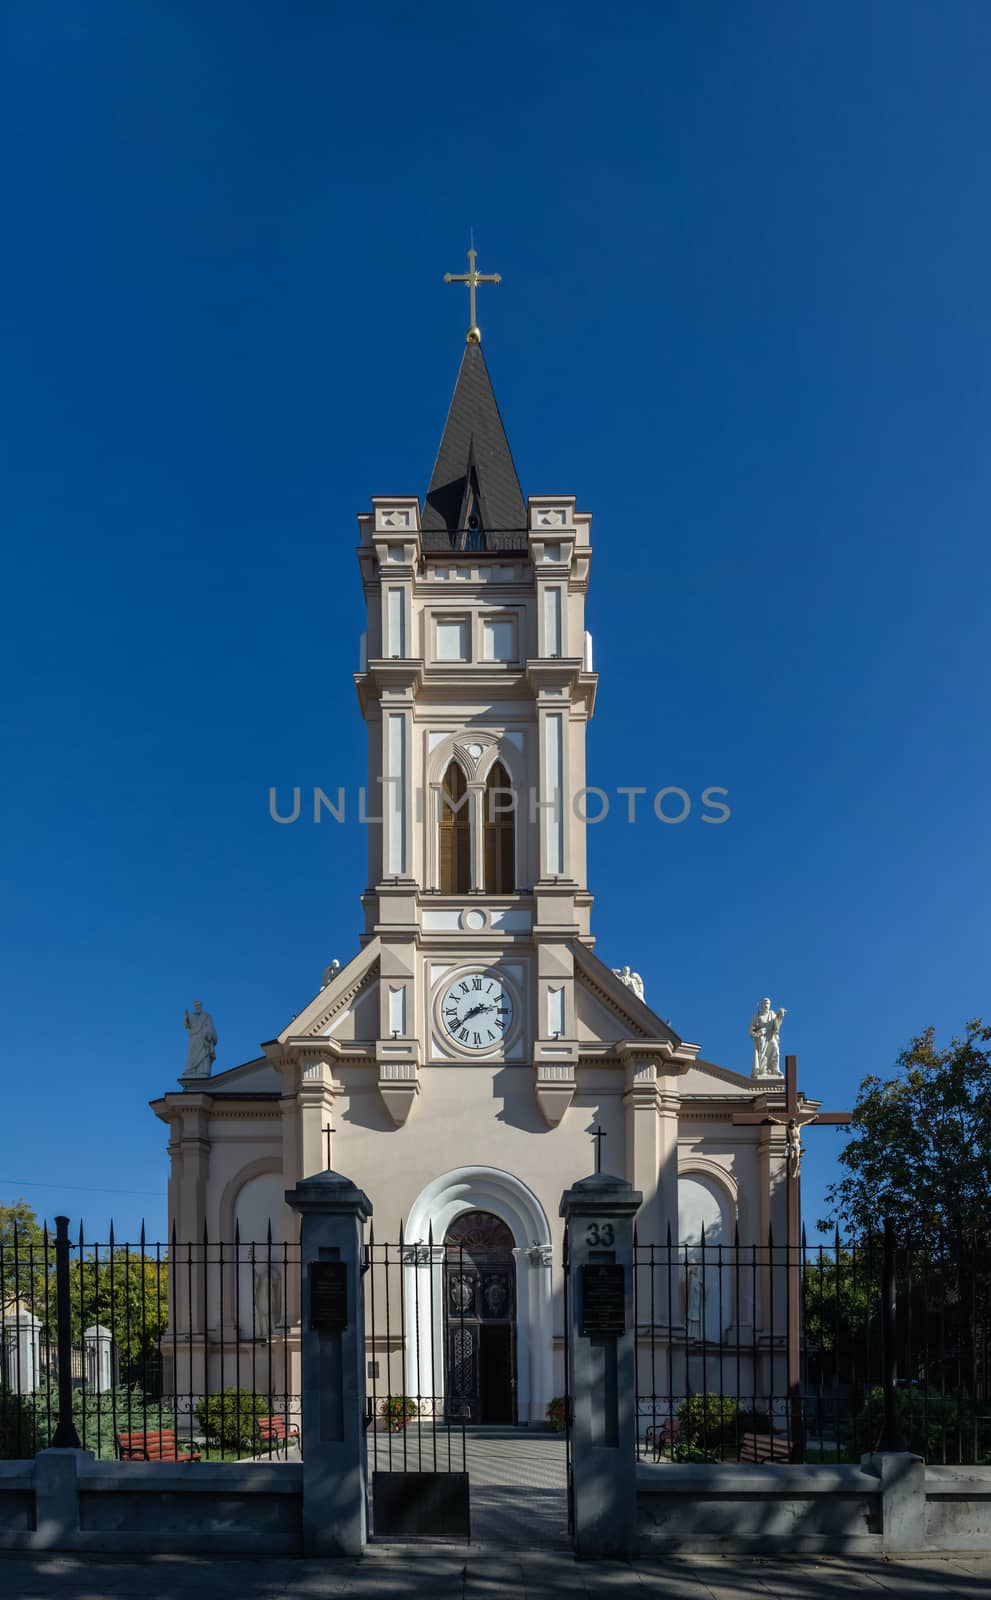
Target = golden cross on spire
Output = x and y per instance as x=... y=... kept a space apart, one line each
x=472 y=278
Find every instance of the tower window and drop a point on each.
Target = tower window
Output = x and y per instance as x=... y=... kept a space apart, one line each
x=454 y=834
x=499 y=832
x=452 y=639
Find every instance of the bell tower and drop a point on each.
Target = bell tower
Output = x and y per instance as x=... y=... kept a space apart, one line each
x=476 y=686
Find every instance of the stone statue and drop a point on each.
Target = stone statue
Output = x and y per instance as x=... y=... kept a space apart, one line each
x=632 y=980
x=202 y=1042
x=267 y=1294
x=330 y=973
x=693 y=1300
x=764 y=1031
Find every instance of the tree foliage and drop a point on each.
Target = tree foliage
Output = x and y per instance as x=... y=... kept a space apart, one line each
x=25 y=1264
x=127 y=1293
x=920 y=1146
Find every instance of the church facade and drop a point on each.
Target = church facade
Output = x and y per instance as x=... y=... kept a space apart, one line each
x=464 y=1053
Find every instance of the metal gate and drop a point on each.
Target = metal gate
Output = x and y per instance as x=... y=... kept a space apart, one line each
x=415 y=1426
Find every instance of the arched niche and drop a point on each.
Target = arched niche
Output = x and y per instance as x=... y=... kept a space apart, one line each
x=705 y=1268
x=259 y=1308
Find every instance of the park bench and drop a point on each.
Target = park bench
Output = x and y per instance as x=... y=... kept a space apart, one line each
x=656 y=1438
x=273 y=1430
x=159 y=1444
x=761 y=1447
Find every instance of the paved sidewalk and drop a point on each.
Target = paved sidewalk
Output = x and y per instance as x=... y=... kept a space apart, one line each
x=478 y=1574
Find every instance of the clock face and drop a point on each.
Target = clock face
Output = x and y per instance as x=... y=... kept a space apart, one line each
x=477 y=1010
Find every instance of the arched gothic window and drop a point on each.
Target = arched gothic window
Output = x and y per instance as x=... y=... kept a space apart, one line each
x=498 y=833
x=454 y=833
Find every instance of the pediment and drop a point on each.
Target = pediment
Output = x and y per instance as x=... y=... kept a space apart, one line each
x=706 y=1079
x=608 y=1011
x=347 y=1007
x=252 y=1077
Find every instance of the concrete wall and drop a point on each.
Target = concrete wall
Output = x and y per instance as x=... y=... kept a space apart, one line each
x=743 y=1508
x=65 y=1500
x=958 y=1508
x=892 y=1504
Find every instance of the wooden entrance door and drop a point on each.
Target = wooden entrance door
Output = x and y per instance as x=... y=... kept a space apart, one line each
x=480 y=1319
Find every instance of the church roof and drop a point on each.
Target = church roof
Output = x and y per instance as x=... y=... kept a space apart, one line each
x=474 y=500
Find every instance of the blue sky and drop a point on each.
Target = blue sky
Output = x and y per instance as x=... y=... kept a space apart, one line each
x=744 y=318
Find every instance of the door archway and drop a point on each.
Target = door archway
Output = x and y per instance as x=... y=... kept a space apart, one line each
x=436 y=1207
x=480 y=1319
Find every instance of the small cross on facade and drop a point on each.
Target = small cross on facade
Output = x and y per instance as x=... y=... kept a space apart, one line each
x=472 y=278
x=598 y=1134
x=328 y=1130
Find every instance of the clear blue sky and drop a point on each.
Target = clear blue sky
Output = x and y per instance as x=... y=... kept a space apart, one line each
x=745 y=318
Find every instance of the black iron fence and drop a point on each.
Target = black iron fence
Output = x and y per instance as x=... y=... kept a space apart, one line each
x=433 y=1313
x=147 y=1350
x=884 y=1343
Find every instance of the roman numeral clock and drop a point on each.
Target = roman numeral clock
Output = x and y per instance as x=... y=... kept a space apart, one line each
x=476 y=1010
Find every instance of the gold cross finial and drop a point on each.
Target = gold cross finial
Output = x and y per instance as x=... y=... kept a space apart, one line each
x=472 y=278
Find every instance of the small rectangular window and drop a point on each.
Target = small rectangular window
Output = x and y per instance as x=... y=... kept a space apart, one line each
x=452 y=639
x=552 y=622
x=499 y=639
x=396 y=641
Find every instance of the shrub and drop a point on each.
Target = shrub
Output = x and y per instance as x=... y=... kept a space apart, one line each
x=230 y=1419
x=398 y=1410
x=941 y=1429
x=28 y=1422
x=708 y=1422
x=557 y=1413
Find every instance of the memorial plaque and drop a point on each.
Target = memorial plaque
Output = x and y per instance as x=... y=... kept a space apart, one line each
x=603 y=1300
x=328 y=1296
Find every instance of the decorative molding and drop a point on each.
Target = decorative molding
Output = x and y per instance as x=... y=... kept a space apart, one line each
x=345 y=999
x=607 y=1000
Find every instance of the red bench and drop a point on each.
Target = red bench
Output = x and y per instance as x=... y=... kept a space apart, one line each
x=760 y=1447
x=273 y=1430
x=158 y=1445
x=657 y=1437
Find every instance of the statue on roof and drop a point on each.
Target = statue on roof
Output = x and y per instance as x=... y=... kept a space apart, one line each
x=202 y=1042
x=632 y=980
x=764 y=1031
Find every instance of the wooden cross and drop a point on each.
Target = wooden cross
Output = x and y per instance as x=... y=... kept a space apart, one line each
x=328 y=1130
x=472 y=278
x=598 y=1134
x=794 y=1115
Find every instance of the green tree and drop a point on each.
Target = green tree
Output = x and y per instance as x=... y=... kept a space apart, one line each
x=920 y=1146
x=126 y=1292
x=27 y=1268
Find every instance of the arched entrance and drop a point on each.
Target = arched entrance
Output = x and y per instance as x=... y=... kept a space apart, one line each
x=436 y=1208
x=480 y=1319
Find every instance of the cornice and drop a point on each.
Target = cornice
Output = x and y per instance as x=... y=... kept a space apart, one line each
x=340 y=1003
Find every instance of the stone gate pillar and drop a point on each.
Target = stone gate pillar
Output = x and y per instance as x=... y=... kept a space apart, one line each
x=599 y=1213
x=332 y=1337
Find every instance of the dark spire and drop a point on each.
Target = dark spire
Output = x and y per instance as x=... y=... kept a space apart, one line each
x=474 y=498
